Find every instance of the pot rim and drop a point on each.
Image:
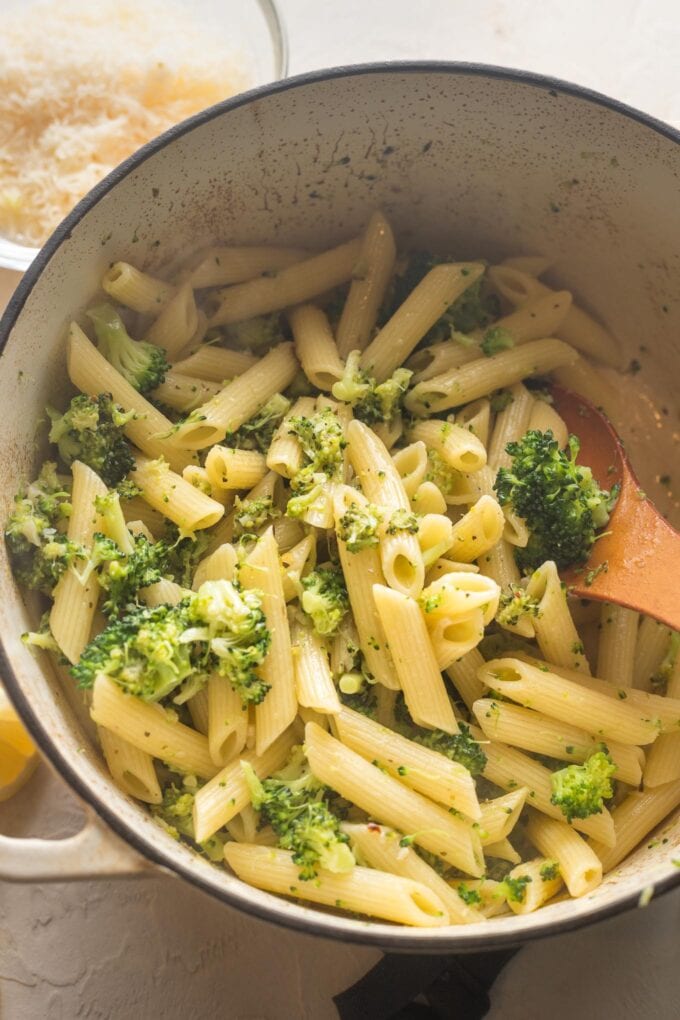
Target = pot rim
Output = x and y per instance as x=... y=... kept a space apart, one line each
x=402 y=940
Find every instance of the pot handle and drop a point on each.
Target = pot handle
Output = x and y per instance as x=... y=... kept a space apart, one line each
x=94 y=852
x=454 y=987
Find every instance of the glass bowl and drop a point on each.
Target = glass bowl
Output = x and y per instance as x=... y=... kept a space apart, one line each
x=256 y=34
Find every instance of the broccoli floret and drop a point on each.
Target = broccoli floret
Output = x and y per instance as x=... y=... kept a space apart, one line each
x=257 y=432
x=143 y=652
x=445 y=477
x=322 y=441
x=39 y=551
x=325 y=599
x=234 y=628
x=476 y=308
x=175 y=814
x=184 y=553
x=514 y=889
x=501 y=400
x=363 y=701
x=294 y=803
x=143 y=365
x=42 y=637
x=372 y=401
x=402 y=520
x=257 y=335
x=121 y=576
x=358 y=527
x=91 y=430
x=495 y=340
x=549 y=871
x=514 y=605
x=469 y=896
x=559 y=499
x=580 y=790
x=663 y=674
x=250 y=515
x=460 y=747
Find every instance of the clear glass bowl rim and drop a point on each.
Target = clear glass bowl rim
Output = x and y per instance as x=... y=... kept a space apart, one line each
x=19 y=257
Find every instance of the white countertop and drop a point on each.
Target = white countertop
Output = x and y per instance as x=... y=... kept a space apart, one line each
x=154 y=947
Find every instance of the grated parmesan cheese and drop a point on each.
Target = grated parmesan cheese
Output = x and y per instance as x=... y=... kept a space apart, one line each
x=82 y=85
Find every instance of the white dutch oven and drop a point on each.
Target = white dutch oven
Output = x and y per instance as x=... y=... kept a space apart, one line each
x=476 y=160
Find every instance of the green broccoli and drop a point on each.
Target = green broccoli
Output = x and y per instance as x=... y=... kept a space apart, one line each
x=445 y=477
x=514 y=605
x=322 y=440
x=364 y=700
x=43 y=637
x=496 y=340
x=295 y=804
x=121 y=576
x=234 y=629
x=91 y=430
x=469 y=896
x=39 y=551
x=663 y=674
x=549 y=871
x=184 y=552
x=325 y=599
x=500 y=400
x=580 y=790
x=514 y=890
x=143 y=364
x=460 y=747
x=250 y=515
x=257 y=432
x=372 y=401
x=358 y=527
x=257 y=335
x=175 y=814
x=561 y=502
x=476 y=308
x=143 y=652
x=402 y=520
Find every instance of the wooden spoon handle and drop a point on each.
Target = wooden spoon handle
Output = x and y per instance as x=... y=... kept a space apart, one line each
x=642 y=554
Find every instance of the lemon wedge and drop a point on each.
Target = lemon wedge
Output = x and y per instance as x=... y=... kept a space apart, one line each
x=18 y=756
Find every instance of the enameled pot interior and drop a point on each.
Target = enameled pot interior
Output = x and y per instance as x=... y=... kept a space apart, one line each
x=473 y=161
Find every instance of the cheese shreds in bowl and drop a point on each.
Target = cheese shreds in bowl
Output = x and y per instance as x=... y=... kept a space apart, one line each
x=84 y=85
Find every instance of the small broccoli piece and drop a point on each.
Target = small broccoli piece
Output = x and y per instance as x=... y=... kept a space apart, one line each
x=500 y=400
x=496 y=340
x=514 y=605
x=175 y=814
x=460 y=747
x=121 y=576
x=322 y=440
x=363 y=701
x=143 y=652
x=143 y=365
x=549 y=871
x=294 y=803
x=580 y=790
x=663 y=674
x=250 y=515
x=445 y=477
x=257 y=432
x=258 y=334
x=183 y=554
x=514 y=889
x=91 y=430
x=476 y=308
x=39 y=552
x=358 y=527
x=469 y=896
x=325 y=599
x=234 y=628
x=402 y=520
x=372 y=401
x=559 y=499
x=42 y=637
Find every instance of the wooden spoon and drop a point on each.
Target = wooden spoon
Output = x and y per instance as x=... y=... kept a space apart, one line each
x=639 y=558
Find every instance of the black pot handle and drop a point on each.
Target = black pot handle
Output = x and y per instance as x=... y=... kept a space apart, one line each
x=452 y=987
